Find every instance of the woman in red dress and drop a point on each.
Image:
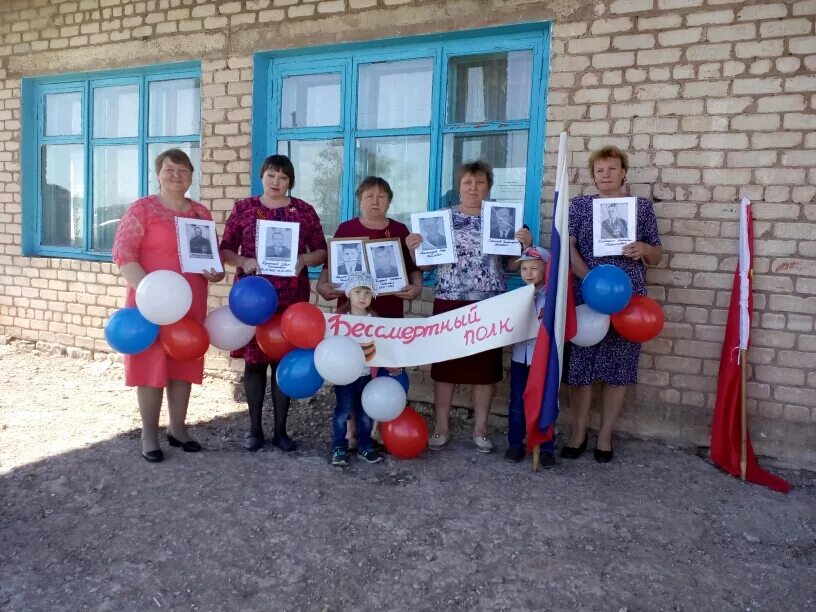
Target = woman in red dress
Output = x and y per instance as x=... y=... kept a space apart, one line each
x=145 y=242
x=238 y=249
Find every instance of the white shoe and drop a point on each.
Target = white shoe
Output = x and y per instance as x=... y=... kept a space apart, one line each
x=437 y=441
x=483 y=445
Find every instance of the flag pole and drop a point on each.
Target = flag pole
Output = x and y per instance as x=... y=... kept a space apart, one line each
x=536 y=458
x=743 y=413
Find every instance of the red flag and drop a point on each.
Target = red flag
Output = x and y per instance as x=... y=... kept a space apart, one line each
x=726 y=425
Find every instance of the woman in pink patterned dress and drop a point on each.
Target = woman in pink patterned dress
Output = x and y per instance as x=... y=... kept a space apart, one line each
x=145 y=242
x=238 y=249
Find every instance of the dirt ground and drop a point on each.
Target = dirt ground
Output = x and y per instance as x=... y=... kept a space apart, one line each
x=85 y=523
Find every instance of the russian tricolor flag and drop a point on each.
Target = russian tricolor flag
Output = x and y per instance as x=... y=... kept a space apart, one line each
x=558 y=325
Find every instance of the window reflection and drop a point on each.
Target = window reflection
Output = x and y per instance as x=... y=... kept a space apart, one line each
x=311 y=100
x=395 y=94
x=63 y=202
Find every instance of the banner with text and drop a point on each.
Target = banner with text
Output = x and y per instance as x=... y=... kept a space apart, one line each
x=492 y=323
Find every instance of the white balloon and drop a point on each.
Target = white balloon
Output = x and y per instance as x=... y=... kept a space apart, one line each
x=164 y=297
x=226 y=331
x=339 y=360
x=384 y=399
x=592 y=326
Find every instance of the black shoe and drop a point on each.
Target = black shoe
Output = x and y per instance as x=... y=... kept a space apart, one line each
x=191 y=446
x=285 y=443
x=602 y=456
x=547 y=461
x=339 y=457
x=254 y=442
x=154 y=456
x=571 y=452
x=369 y=455
x=514 y=454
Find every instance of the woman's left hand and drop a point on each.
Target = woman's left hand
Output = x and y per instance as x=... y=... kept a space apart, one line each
x=301 y=263
x=525 y=237
x=409 y=292
x=212 y=276
x=636 y=250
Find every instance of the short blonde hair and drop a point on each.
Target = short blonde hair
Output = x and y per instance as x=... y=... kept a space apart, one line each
x=609 y=152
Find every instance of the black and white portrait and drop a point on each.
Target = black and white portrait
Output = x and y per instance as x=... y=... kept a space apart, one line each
x=500 y=222
x=386 y=265
x=278 y=243
x=503 y=223
x=346 y=256
x=432 y=230
x=437 y=246
x=200 y=244
x=614 y=222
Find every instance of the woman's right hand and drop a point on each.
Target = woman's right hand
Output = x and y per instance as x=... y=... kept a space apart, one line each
x=249 y=265
x=329 y=291
x=412 y=241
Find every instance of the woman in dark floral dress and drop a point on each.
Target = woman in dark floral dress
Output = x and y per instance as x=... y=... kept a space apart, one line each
x=238 y=249
x=613 y=361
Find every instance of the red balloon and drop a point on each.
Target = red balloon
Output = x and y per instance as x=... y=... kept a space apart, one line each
x=641 y=320
x=184 y=340
x=271 y=339
x=406 y=436
x=303 y=325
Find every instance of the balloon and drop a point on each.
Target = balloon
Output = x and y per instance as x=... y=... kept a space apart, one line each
x=227 y=332
x=303 y=325
x=128 y=332
x=607 y=289
x=592 y=326
x=163 y=297
x=296 y=374
x=640 y=321
x=383 y=399
x=185 y=340
x=339 y=360
x=406 y=436
x=401 y=378
x=271 y=340
x=253 y=300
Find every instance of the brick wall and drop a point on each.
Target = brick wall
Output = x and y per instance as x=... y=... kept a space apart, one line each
x=713 y=99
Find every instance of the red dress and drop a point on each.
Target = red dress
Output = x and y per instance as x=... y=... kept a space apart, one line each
x=239 y=237
x=147 y=235
x=389 y=306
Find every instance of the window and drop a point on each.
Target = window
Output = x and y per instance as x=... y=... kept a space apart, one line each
x=89 y=142
x=411 y=111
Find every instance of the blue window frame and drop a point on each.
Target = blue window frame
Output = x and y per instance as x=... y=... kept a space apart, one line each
x=88 y=145
x=410 y=110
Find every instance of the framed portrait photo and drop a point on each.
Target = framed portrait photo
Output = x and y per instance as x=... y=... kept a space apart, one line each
x=614 y=225
x=276 y=245
x=197 y=245
x=437 y=237
x=346 y=255
x=500 y=222
x=386 y=265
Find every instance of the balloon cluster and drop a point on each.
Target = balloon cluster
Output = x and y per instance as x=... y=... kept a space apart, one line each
x=608 y=298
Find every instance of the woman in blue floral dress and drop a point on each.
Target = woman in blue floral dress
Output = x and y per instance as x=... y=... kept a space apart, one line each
x=473 y=277
x=613 y=361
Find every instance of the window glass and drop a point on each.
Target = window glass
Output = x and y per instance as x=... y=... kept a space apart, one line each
x=115 y=186
x=403 y=161
x=62 y=221
x=174 y=107
x=395 y=94
x=489 y=87
x=318 y=170
x=63 y=114
x=116 y=112
x=311 y=100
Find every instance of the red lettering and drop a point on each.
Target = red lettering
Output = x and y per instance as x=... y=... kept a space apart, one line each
x=504 y=326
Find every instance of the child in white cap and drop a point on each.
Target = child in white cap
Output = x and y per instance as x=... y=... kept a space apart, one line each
x=360 y=290
x=533 y=262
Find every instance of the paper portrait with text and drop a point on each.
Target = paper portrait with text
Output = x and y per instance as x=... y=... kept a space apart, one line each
x=500 y=222
x=197 y=245
x=276 y=247
x=346 y=255
x=614 y=225
x=437 y=245
x=386 y=265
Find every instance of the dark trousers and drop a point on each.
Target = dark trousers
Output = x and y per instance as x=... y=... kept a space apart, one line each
x=517 y=425
x=255 y=389
x=349 y=402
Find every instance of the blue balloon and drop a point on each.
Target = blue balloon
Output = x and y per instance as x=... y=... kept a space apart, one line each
x=128 y=332
x=401 y=378
x=297 y=375
x=253 y=300
x=607 y=289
